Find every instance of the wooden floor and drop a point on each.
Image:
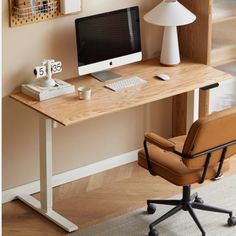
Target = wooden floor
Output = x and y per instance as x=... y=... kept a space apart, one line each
x=92 y=200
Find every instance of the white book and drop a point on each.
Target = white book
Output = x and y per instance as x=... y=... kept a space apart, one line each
x=42 y=93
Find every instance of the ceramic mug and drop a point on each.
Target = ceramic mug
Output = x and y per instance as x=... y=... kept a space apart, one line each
x=84 y=93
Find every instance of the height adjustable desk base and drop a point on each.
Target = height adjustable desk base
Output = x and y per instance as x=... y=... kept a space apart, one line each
x=44 y=206
x=50 y=214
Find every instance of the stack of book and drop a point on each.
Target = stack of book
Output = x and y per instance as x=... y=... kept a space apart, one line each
x=42 y=93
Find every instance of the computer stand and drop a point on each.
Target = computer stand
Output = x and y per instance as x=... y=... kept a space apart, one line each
x=105 y=75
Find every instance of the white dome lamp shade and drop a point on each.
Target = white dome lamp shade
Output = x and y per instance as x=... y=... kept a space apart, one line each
x=170 y=13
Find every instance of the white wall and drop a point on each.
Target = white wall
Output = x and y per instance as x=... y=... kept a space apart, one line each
x=84 y=143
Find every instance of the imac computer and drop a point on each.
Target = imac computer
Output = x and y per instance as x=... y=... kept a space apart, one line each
x=108 y=40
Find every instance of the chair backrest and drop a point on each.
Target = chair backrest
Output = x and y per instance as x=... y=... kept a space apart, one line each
x=210 y=132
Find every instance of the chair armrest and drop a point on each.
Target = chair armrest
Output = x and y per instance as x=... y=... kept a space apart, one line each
x=159 y=141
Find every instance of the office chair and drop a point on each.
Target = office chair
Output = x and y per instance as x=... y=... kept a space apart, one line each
x=185 y=160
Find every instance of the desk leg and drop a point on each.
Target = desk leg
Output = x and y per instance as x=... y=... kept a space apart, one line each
x=204 y=102
x=44 y=206
x=185 y=110
x=179 y=114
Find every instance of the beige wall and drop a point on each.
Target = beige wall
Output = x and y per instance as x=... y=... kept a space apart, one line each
x=26 y=46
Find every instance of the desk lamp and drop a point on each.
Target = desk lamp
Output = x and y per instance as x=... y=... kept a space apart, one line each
x=170 y=13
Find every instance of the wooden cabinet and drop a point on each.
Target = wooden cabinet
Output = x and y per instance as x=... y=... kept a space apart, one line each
x=211 y=39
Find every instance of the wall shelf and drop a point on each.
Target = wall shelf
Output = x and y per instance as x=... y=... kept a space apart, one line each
x=27 y=14
x=220 y=55
x=223 y=19
x=24 y=12
x=223 y=12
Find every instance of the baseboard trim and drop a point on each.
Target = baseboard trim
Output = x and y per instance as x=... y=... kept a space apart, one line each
x=72 y=175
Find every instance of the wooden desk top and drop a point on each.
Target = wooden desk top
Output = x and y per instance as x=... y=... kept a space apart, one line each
x=68 y=109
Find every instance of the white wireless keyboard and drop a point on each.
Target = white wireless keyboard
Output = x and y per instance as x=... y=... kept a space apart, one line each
x=125 y=83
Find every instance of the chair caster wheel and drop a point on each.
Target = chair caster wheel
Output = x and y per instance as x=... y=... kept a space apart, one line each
x=151 y=209
x=153 y=232
x=198 y=200
x=232 y=221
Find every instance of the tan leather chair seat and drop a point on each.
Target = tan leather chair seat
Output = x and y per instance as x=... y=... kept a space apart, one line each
x=170 y=166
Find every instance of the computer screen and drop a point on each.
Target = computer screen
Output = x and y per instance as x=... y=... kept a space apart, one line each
x=108 y=40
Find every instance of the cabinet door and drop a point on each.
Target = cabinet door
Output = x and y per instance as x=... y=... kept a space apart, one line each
x=223 y=53
x=223 y=31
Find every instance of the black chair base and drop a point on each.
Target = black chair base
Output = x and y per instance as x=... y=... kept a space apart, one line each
x=188 y=203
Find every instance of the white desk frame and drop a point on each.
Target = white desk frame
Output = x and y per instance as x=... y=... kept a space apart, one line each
x=44 y=206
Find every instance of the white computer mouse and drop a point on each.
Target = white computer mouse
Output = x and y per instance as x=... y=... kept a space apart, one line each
x=162 y=76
